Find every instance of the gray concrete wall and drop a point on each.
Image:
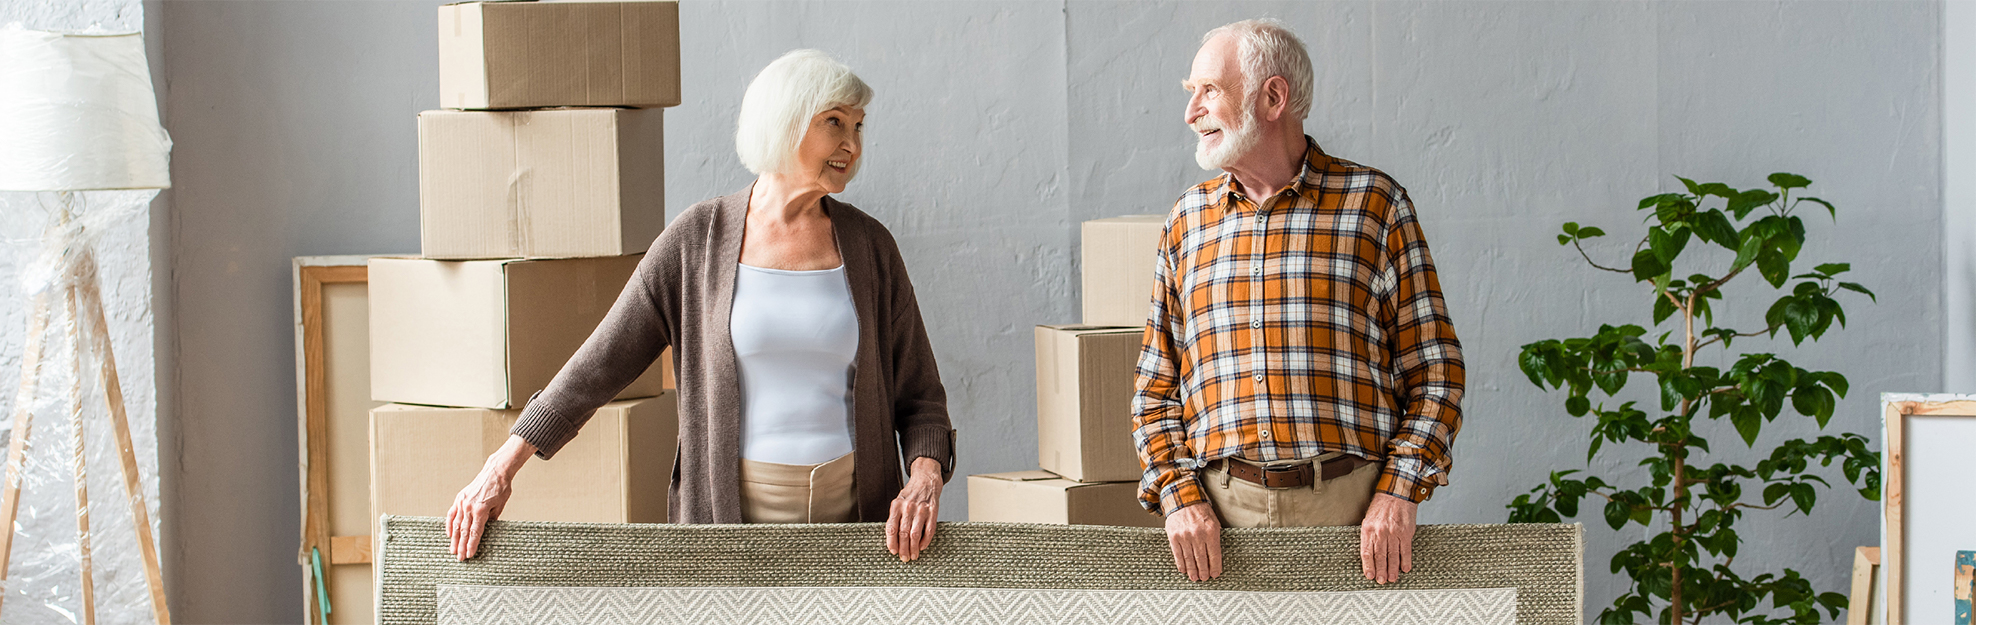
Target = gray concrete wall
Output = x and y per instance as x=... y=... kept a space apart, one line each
x=1000 y=126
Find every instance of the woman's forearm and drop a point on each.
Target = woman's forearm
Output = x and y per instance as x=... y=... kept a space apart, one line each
x=512 y=454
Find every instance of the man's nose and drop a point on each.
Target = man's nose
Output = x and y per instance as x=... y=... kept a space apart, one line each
x=1194 y=109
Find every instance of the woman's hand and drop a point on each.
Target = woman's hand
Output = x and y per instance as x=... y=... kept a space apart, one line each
x=483 y=499
x=913 y=515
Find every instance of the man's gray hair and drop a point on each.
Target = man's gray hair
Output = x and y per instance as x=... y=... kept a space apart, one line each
x=1266 y=48
x=784 y=98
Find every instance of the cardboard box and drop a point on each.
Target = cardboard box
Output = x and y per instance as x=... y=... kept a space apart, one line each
x=1083 y=400
x=1044 y=497
x=1118 y=258
x=486 y=333
x=499 y=55
x=616 y=470
x=550 y=184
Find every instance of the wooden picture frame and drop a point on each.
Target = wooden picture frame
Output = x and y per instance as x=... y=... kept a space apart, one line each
x=1897 y=412
x=1861 y=593
x=324 y=321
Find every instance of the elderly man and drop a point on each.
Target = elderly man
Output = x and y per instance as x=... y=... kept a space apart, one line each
x=1299 y=368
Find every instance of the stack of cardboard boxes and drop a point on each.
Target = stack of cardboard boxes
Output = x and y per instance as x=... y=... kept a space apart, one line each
x=1083 y=394
x=539 y=190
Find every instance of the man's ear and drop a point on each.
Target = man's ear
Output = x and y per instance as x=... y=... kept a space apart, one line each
x=1277 y=95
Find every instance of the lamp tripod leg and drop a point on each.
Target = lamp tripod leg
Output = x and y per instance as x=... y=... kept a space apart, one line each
x=100 y=346
x=17 y=445
x=82 y=477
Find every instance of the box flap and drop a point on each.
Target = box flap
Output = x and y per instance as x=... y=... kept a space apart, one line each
x=1022 y=476
x=1130 y=219
x=427 y=320
x=1081 y=328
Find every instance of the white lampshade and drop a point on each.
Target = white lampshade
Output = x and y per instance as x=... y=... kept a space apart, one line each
x=77 y=113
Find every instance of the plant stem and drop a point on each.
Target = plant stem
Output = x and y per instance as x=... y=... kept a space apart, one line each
x=1680 y=457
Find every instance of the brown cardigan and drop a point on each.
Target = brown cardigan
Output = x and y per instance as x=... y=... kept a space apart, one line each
x=681 y=296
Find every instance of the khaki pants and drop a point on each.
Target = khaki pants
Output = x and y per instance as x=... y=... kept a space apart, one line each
x=799 y=493
x=1242 y=503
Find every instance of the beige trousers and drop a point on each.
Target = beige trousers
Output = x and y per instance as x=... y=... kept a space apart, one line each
x=799 y=493
x=1242 y=503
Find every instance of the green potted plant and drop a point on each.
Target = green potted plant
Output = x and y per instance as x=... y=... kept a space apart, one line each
x=1682 y=571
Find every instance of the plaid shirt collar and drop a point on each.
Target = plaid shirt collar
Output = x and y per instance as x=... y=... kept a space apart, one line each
x=1313 y=170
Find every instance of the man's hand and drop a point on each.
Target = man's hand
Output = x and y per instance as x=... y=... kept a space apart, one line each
x=1196 y=538
x=1385 y=537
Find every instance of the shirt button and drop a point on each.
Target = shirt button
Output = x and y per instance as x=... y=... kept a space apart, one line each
x=1257 y=324
x=1258 y=377
x=1264 y=433
x=1256 y=270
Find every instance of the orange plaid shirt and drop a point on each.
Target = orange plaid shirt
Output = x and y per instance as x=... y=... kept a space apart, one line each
x=1312 y=324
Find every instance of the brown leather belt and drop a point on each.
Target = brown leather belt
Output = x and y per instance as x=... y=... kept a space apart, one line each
x=1292 y=476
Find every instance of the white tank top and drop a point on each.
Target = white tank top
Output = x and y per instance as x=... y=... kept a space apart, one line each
x=795 y=334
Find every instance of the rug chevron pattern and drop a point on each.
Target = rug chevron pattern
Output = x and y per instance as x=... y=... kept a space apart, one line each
x=1542 y=562
x=502 y=605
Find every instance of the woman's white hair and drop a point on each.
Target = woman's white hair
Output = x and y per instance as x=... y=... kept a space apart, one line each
x=784 y=98
x=1266 y=48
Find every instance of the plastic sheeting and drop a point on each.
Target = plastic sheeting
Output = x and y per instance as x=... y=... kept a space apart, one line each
x=78 y=112
x=44 y=580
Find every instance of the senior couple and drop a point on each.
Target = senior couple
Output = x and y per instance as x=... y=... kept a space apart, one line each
x=1298 y=368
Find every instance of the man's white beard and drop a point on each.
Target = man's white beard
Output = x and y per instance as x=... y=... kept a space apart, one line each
x=1234 y=143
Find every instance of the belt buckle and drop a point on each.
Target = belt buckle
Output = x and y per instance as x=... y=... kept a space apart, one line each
x=1270 y=469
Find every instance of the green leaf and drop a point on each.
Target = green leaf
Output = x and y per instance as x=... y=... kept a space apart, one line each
x=1667 y=245
x=1775 y=316
x=1589 y=232
x=1831 y=268
x=1795 y=230
x=1741 y=204
x=1858 y=289
x=1646 y=265
x=1826 y=403
x=1835 y=381
x=1662 y=309
x=1617 y=513
x=1799 y=320
x=1805 y=401
x=1642 y=516
x=1569 y=228
x=1533 y=365
x=1829 y=207
x=1562 y=239
x=1655 y=200
x=1775 y=492
x=1803 y=494
x=1714 y=226
x=1789 y=181
x=1746 y=252
x=1577 y=406
x=1773 y=264
x=1747 y=425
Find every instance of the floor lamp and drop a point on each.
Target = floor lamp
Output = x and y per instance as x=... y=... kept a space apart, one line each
x=78 y=114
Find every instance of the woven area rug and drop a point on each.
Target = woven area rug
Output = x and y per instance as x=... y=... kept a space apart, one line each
x=1542 y=563
x=502 y=605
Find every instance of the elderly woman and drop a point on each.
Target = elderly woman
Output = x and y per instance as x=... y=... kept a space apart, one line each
x=801 y=356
